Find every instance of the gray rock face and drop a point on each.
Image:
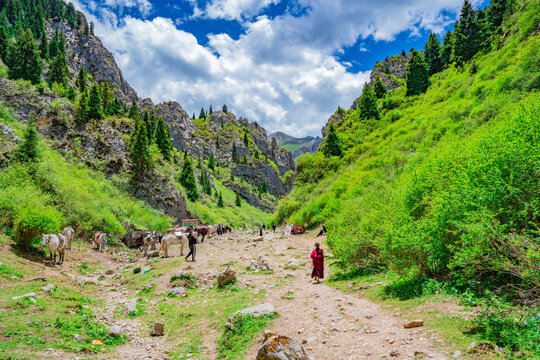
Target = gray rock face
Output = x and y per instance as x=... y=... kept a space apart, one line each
x=226 y=277
x=390 y=70
x=277 y=347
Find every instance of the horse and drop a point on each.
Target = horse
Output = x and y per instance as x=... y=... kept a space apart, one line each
x=56 y=243
x=150 y=241
x=212 y=229
x=225 y=228
x=68 y=233
x=100 y=238
x=172 y=239
x=201 y=230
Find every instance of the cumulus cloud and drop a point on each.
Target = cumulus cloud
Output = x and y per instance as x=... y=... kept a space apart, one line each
x=143 y=6
x=280 y=72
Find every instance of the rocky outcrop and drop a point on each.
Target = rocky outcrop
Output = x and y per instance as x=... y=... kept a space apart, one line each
x=391 y=70
x=277 y=347
x=307 y=149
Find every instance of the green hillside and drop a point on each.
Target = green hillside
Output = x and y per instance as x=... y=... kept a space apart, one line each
x=444 y=184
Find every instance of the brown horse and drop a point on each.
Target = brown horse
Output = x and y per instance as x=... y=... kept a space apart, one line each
x=201 y=231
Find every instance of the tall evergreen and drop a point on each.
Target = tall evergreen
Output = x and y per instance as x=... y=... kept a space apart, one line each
x=246 y=139
x=81 y=79
x=225 y=110
x=432 y=54
x=234 y=153
x=106 y=95
x=378 y=88
x=28 y=149
x=44 y=47
x=495 y=13
x=4 y=43
x=205 y=183
x=368 y=103
x=140 y=153
x=447 y=49
x=332 y=144
x=417 y=74
x=163 y=139
x=23 y=58
x=187 y=179
x=202 y=115
x=134 y=111
x=58 y=70
x=95 y=107
x=211 y=162
x=467 y=36
x=210 y=110
x=82 y=108
x=220 y=203
x=237 y=201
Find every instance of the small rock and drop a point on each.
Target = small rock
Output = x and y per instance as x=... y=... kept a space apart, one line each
x=115 y=331
x=131 y=308
x=48 y=288
x=259 y=239
x=418 y=352
x=109 y=272
x=29 y=295
x=394 y=353
x=137 y=270
x=228 y=263
x=457 y=354
x=256 y=311
x=77 y=338
x=413 y=324
x=293 y=263
x=178 y=291
x=227 y=277
x=153 y=254
x=275 y=346
x=157 y=330
x=472 y=347
x=32 y=300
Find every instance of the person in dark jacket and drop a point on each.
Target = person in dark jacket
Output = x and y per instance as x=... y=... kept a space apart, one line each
x=192 y=240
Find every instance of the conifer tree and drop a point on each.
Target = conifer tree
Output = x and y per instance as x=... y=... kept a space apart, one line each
x=237 y=201
x=81 y=79
x=220 y=203
x=225 y=110
x=210 y=110
x=187 y=179
x=202 y=115
x=193 y=116
x=92 y=28
x=211 y=162
x=140 y=153
x=447 y=49
x=205 y=183
x=368 y=103
x=467 y=35
x=234 y=153
x=163 y=139
x=58 y=70
x=134 y=111
x=28 y=150
x=232 y=177
x=495 y=13
x=44 y=47
x=246 y=140
x=106 y=96
x=332 y=144
x=4 y=43
x=379 y=88
x=82 y=108
x=417 y=75
x=23 y=58
x=217 y=141
x=95 y=108
x=432 y=54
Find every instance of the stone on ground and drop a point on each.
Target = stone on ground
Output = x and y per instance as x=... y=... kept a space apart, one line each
x=157 y=330
x=277 y=347
x=178 y=291
x=48 y=288
x=256 y=311
x=152 y=253
x=413 y=324
x=259 y=265
x=115 y=331
x=29 y=295
x=226 y=277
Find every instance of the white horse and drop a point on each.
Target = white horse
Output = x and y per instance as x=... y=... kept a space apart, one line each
x=212 y=230
x=56 y=243
x=68 y=233
x=172 y=239
x=99 y=240
x=150 y=241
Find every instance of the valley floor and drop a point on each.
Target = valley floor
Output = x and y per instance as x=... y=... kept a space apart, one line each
x=331 y=323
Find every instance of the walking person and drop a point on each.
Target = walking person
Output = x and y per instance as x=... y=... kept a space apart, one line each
x=274 y=228
x=317 y=257
x=260 y=230
x=192 y=241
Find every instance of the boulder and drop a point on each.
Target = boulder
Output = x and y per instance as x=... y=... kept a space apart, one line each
x=256 y=311
x=277 y=347
x=153 y=253
x=226 y=277
x=131 y=308
x=157 y=330
x=178 y=291
x=115 y=331
x=258 y=239
x=413 y=324
x=137 y=270
x=48 y=288
x=29 y=295
x=259 y=265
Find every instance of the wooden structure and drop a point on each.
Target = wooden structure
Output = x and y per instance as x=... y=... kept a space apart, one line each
x=190 y=222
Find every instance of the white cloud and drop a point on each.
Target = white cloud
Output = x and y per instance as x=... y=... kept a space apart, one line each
x=236 y=9
x=280 y=72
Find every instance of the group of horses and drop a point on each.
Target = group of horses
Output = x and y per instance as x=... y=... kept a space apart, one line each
x=58 y=243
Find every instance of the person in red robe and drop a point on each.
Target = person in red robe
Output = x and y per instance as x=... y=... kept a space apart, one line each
x=317 y=257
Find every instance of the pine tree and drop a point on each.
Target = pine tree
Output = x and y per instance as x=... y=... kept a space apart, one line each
x=202 y=115
x=234 y=153
x=95 y=108
x=368 y=103
x=163 y=139
x=217 y=141
x=495 y=13
x=28 y=150
x=187 y=179
x=44 y=47
x=92 y=28
x=220 y=203
x=4 y=43
x=193 y=116
x=225 y=110
x=211 y=162
x=447 y=49
x=332 y=144
x=210 y=110
x=432 y=54
x=232 y=177
x=23 y=58
x=417 y=74
x=467 y=35
x=106 y=96
x=58 y=70
x=82 y=108
x=140 y=153
x=379 y=88
x=246 y=140
x=81 y=79
x=134 y=111
x=237 y=201
x=205 y=183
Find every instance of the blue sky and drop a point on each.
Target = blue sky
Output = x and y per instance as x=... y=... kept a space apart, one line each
x=285 y=64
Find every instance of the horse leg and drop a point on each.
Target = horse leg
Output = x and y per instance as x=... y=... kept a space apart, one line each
x=181 y=248
x=54 y=258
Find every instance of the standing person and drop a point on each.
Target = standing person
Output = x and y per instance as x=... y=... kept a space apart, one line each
x=323 y=231
x=192 y=249
x=317 y=257
x=274 y=228
x=260 y=230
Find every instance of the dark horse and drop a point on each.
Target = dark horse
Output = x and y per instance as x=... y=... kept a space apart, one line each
x=201 y=231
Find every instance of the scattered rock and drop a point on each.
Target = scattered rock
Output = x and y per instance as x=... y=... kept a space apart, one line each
x=394 y=353
x=48 y=288
x=131 y=308
x=259 y=265
x=109 y=272
x=277 y=347
x=457 y=354
x=157 y=330
x=152 y=253
x=472 y=347
x=32 y=300
x=256 y=311
x=137 y=270
x=178 y=291
x=115 y=331
x=227 y=277
x=29 y=295
x=259 y=239
x=77 y=338
x=292 y=264
x=413 y=324
x=228 y=263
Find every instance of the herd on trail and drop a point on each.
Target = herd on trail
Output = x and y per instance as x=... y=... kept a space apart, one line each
x=60 y=242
